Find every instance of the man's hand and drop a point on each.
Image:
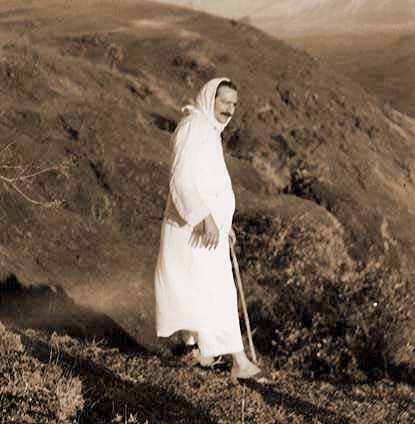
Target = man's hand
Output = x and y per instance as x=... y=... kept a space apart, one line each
x=211 y=236
x=232 y=237
x=205 y=234
x=198 y=232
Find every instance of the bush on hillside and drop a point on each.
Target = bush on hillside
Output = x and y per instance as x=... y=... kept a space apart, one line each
x=316 y=312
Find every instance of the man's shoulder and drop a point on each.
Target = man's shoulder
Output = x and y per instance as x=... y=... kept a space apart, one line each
x=194 y=121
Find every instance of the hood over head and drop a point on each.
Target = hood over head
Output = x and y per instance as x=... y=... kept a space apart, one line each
x=205 y=102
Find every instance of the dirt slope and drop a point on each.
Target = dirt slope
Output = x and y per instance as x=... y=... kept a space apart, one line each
x=387 y=72
x=382 y=62
x=96 y=92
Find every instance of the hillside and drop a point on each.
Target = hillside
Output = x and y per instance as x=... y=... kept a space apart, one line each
x=357 y=37
x=382 y=62
x=322 y=16
x=387 y=72
x=319 y=16
x=323 y=175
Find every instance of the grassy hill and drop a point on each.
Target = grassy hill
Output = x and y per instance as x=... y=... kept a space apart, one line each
x=322 y=173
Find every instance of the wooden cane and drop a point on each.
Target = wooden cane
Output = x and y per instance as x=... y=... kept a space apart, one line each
x=243 y=301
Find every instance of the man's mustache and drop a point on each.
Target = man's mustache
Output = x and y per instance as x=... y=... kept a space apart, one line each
x=227 y=114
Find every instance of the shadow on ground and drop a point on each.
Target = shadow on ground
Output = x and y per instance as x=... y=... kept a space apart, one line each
x=49 y=308
x=106 y=393
x=402 y=373
x=298 y=406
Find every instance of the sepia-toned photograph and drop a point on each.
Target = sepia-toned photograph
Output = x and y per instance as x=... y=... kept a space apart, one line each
x=207 y=212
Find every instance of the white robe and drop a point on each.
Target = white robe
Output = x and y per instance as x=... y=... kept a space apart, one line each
x=194 y=286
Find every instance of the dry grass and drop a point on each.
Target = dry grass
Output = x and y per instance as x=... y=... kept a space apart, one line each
x=31 y=391
x=128 y=388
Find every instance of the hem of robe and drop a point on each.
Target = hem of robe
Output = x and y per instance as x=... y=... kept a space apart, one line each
x=217 y=343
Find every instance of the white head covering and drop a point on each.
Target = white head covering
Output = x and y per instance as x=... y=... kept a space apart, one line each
x=205 y=103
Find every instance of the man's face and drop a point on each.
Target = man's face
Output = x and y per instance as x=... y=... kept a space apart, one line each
x=225 y=104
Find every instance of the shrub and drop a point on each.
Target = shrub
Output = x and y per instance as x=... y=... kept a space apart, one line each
x=316 y=312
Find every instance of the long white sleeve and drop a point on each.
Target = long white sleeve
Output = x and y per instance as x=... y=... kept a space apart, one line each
x=184 y=190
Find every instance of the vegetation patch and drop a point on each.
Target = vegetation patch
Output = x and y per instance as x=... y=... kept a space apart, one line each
x=34 y=392
x=316 y=312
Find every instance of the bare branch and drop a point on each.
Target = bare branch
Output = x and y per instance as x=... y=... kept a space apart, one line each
x=42 y=171
x=5 y=179
x=22 y=176
x=54 y=203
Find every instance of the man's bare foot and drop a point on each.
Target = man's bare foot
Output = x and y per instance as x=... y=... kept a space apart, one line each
x=248 y=371
x=242 y=367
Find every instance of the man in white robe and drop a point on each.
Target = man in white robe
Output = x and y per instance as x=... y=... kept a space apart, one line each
x=194 y=284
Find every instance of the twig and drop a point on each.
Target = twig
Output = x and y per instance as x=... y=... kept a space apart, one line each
x=35 y=174
x=5 y=179
x=22 y=177
x=29 y=199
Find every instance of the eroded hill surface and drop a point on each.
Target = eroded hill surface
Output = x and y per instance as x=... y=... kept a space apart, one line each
x=382 y=62
x=95 y=94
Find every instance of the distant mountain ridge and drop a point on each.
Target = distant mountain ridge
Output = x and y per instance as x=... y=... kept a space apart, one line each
x=382 y=62
x=284 y=16
x=336 y=16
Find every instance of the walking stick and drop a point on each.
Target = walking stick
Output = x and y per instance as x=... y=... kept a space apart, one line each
x=243 y=301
